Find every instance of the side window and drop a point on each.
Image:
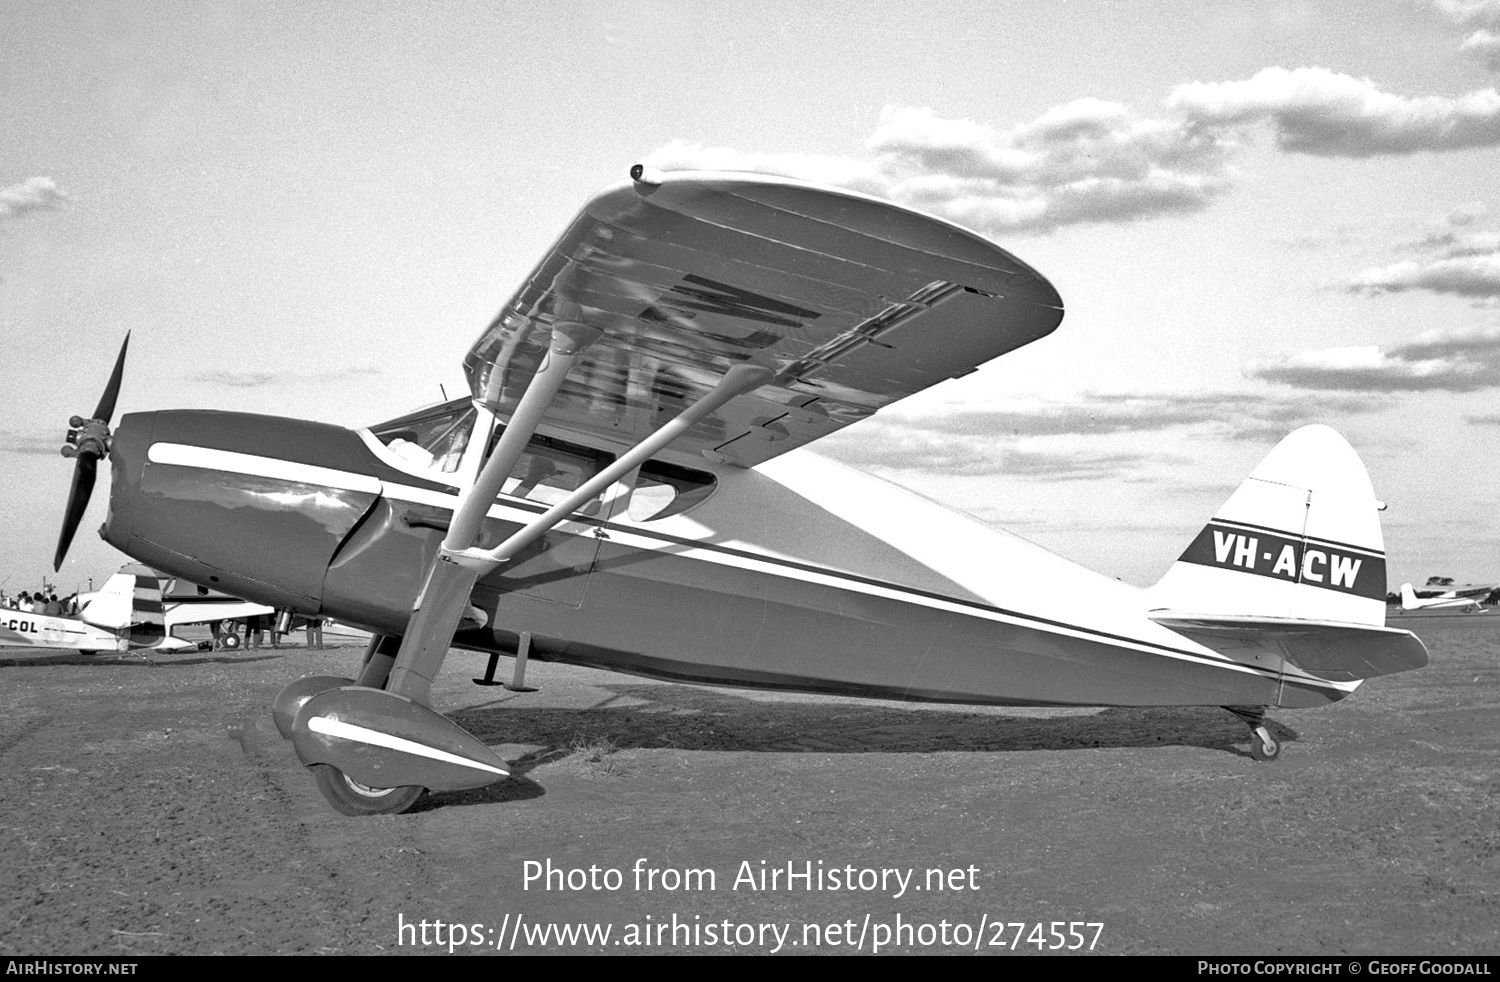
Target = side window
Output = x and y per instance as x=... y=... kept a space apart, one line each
x=550 y=470
x=664 y=489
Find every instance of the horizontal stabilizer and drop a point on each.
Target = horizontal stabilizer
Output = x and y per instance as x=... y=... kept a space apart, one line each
x=1329 y=650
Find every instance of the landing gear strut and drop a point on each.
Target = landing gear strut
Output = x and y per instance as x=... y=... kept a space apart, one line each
x=1263 y=746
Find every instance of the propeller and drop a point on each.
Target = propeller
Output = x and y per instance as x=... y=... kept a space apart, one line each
x=88 y=441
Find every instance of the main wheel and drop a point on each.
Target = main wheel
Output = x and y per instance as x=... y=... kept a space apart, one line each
x=349 y=797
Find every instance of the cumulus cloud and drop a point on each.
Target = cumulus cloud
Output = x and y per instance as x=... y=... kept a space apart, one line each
x=237 y=380
x=1470 y=12
x=821 y=168
x=1482 y=17
x=1317 y=111
x=1096 y=161
x=33 y=194
x=1456 y=360
x=897 y=446
x=257 y=380
x=1483 y=43
x=1455 y=244
x=1465 y=274
x=1468 y=214
x=1485 y=46
x=1235 y=414
x=1054 y=439
x=1464 y=262
x=1087 y=161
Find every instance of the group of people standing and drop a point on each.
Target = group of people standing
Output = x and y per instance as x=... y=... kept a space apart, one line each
x=257 y=626
x=45 y=604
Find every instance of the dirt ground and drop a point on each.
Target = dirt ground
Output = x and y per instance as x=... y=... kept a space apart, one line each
x=153 y=809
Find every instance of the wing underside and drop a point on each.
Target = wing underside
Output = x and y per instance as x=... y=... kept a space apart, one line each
x=851 y=301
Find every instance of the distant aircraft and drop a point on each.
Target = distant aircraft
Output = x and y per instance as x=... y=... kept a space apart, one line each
x=136 y=608
x=1447 y=600
x=618 y=491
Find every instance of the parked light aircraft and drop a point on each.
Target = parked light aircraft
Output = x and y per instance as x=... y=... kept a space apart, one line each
x=1446 y=600
x=137 y=608
x=619 y=490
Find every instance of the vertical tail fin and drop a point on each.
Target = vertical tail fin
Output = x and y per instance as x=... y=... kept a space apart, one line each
x=148 y=619
x=130 y=604
x=1300 y=538
x=110 y=608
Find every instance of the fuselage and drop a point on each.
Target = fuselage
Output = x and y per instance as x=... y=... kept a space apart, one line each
x=22 y=629
x=799 y=574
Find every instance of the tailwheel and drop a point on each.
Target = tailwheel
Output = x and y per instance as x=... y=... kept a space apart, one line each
x=1263 y=746
x=349 y=797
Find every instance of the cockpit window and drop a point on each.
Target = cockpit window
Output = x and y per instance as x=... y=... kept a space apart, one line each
x=434 y=439
x=549 y=470
x=431 y=439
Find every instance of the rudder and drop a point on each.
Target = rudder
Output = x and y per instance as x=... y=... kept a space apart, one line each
x=1300 y=538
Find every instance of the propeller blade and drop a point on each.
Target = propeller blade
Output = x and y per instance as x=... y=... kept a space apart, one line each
x=84 y=472
x=91 y=444
x=106 y=407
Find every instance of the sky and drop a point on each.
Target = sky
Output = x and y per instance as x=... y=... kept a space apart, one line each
x=1259 y=214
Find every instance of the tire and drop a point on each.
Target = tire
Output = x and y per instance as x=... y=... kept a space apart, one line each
x=349 y=797
x=1260 y=751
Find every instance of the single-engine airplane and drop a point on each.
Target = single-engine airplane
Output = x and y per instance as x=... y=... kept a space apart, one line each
x=1447 y=601
x=619 y=491
x=137 y=608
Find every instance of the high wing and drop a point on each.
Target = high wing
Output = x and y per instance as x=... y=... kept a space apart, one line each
x=853 y=303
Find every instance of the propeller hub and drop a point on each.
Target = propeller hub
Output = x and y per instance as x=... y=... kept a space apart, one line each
x=89 y=437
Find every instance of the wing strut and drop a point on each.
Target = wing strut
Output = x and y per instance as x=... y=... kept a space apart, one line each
x=736 y=382
x=458 y=565
x=568 y=342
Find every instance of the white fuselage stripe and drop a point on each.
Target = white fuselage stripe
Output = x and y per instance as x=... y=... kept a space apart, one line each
x=207 y=458
x=362 y=734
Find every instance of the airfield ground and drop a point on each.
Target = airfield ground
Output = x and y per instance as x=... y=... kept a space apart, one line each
x=152 y=809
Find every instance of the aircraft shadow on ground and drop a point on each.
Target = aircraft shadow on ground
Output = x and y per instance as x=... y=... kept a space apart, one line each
x=49 y=659
x=657 y=717
x=686 y=718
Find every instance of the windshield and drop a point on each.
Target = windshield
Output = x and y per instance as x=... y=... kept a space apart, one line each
x=430 y=439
